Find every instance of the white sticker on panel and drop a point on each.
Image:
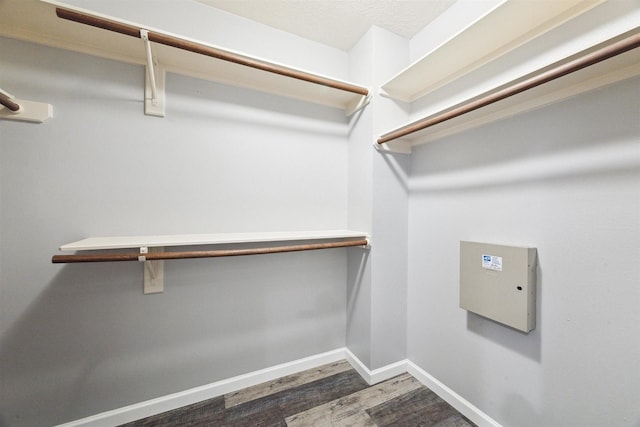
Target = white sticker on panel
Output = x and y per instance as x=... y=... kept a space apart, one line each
x=492 y=262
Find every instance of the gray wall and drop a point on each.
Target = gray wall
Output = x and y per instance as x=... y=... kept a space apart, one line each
x=378 y=203
x=77 y=340
x=564 y=179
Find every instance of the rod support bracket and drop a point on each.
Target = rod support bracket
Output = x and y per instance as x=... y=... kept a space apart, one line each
x=153 y=271
x=359 y=105
x=26 y=111
x=395 y=146
x=154 y=88
x=367 y=247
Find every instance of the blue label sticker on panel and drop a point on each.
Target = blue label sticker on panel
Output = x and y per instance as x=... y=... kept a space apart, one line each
x=492 y=262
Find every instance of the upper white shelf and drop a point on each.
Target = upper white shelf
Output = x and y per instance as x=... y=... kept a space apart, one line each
x=126 y=242
x=614 y=60
x=504 y=28
x=59 y=25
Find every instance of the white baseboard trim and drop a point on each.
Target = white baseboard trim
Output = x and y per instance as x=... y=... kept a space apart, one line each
x=451 y=397
x=176 y=400
x=377 y=375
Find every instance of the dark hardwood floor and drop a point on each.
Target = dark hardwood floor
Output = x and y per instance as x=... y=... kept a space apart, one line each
x=331 y=395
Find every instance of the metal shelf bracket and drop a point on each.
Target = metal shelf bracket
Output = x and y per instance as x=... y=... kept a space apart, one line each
x=153 y=272
x=23 y=111
x=154 y=93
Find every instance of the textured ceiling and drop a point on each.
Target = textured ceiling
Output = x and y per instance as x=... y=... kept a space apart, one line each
x=337 y=23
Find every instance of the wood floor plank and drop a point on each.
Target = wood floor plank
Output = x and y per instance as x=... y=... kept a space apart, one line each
x=345 y=411
x=330 y=396
x=273 y=409
x=455 y=421
x=285 y=383
x=420 y=407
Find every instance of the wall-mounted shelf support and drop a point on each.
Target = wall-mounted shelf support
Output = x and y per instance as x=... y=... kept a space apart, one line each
x=24 y=111
x=362 y=102
x=154 y=93
x=400 y=146
x=153 y=271
x=144 y=35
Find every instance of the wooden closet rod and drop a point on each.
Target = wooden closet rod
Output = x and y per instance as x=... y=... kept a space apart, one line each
x=133 y=31
x=8 y=102
x=608 y=49
x=154 y=256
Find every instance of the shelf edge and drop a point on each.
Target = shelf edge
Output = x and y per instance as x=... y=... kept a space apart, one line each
x=129 y=242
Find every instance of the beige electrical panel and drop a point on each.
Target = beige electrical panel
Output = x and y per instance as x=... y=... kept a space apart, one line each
x=499 y=282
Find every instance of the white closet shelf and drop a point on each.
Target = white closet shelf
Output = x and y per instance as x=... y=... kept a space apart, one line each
x=152 y=253
x=614 y=60
x=128 y=242
x=56 y=24
x=507 y=26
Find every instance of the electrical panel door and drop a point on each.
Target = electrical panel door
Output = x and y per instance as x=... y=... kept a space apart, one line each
x=499 y=282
